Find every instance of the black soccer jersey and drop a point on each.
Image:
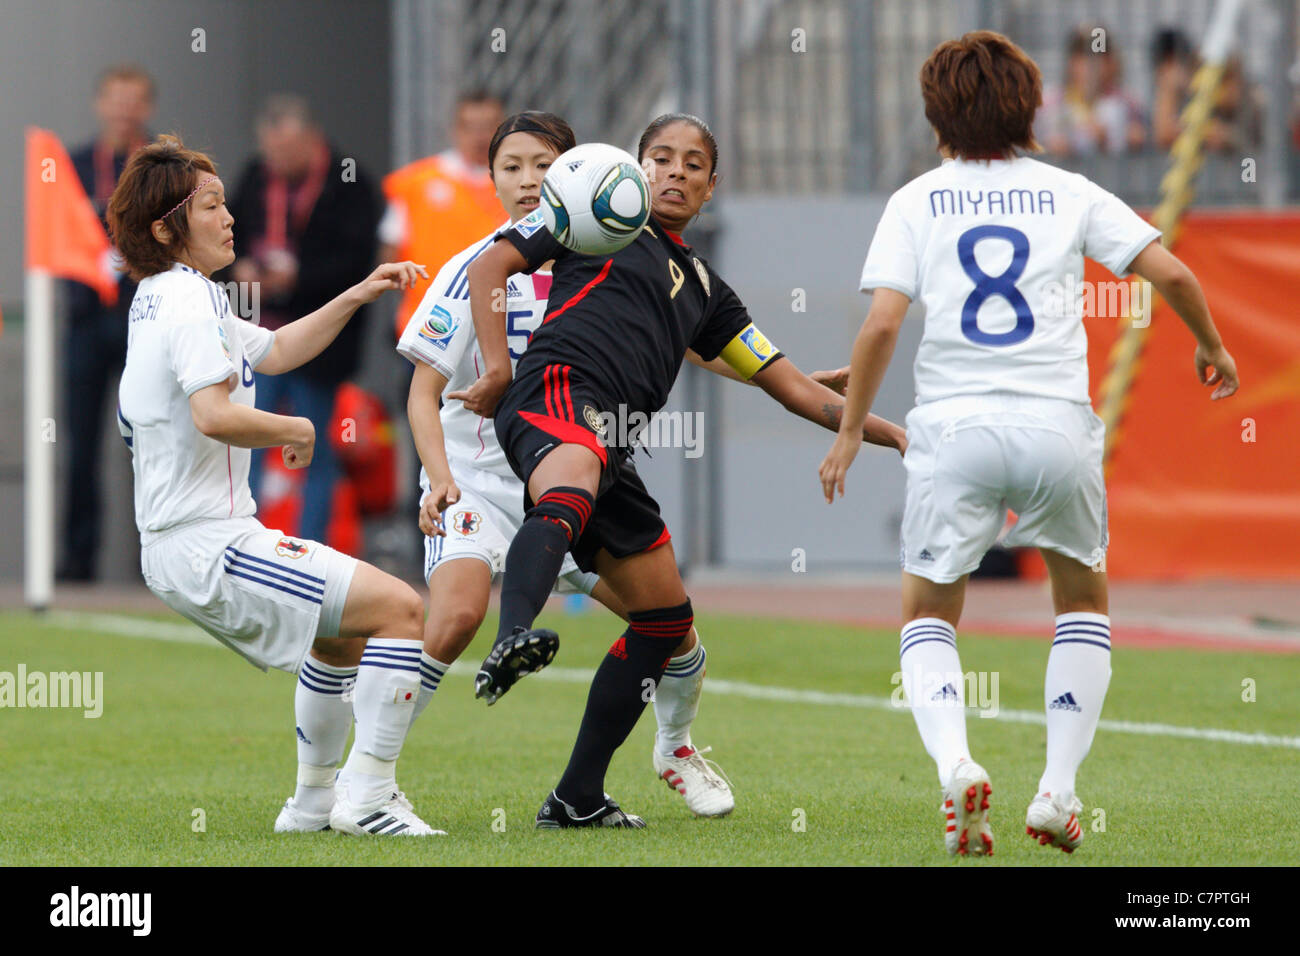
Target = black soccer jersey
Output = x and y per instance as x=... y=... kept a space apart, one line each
x=624 y=321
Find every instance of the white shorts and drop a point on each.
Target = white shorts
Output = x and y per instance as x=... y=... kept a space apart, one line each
x=971 y=458
x=263 y=594
x=484 y=522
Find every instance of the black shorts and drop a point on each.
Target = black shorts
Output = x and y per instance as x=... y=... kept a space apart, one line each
x=541 y=412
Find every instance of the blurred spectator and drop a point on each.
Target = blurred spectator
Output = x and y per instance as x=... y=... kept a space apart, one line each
x=1174 y=63
x=96 y=342
x=1236 y=121
x=1092 y=112
x=439 y=205
x=305 y=223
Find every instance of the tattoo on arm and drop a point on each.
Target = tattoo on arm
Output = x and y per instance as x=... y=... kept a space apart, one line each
x=832 y=414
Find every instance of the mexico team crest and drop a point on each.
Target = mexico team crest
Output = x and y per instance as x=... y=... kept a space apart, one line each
x=703 y=273
x=466 y=522
x=289 y=548
x=593 y=420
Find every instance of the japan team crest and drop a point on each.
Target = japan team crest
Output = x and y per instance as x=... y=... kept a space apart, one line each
x=466 y=522
x=289 y=548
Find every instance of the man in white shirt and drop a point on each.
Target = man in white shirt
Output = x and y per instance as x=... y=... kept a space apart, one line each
x=986 y=242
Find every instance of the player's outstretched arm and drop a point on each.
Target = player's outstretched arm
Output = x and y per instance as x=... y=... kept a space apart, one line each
x=426 y=428
x=872 y=350
x=216 y=416
x=1178 y=286
x=299 y=342
x=488 y=276
x=802 y=396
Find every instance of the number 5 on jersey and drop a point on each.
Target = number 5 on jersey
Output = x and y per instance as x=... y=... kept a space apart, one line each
x=987 y=286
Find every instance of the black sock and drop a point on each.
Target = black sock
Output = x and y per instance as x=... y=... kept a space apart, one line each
x=619 y=693
x=537 y=553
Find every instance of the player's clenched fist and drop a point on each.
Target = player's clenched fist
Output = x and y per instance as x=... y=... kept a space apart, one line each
x=298 y=452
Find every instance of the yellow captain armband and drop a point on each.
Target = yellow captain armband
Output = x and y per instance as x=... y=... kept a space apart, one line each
x=748 y=352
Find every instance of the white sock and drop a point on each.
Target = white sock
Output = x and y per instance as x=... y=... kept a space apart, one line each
x=932 y=678
x=388 y=682
x=324 y=718
x=677 y=699
x=432 y=672
x=1078 y=673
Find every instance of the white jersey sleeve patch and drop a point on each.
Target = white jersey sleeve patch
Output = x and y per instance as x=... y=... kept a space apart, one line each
x=438 y=333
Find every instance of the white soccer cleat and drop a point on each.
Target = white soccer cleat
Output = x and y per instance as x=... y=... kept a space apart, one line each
x=966 y=811
x=394 y=817
x=701 y=782
x=294 y=820
x=1055 y=822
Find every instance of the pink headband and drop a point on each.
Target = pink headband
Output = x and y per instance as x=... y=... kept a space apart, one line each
x=202 y=183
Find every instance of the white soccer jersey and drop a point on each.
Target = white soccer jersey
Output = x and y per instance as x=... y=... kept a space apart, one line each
x=994 y=249
x=183 y=337
x=440 y=333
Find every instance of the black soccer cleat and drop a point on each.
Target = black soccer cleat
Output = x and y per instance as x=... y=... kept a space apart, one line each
x=522 y=652
x=555 y=814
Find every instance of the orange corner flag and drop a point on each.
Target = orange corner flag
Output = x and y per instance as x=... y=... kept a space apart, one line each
x=64 y=236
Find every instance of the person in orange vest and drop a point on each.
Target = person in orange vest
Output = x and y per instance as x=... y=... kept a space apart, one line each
x=96 y=346
x=440 y=204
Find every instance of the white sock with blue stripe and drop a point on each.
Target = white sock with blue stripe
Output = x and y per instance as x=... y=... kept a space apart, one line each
x=1078 y=673
x=388 y=682
x=432 y=671
x=932 y=679
x=677 y=699
x=324 y=718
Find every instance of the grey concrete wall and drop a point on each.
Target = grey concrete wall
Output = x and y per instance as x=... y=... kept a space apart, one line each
x=756 y=488
x=335 y=52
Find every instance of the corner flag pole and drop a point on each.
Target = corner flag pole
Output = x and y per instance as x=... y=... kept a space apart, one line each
x=1176 y=194
x=38 y=439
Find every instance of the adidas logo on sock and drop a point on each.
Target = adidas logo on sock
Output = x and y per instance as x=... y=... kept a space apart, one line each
x=1065 y=702
x=947 y=693
x=619 y=649
x=302 y=736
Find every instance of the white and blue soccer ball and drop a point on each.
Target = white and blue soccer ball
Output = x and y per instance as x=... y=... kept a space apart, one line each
x=595 y=199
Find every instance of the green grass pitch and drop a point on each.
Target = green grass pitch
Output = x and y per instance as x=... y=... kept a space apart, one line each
x=187 y=727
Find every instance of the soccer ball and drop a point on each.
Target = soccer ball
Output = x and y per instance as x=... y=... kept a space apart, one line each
x=595 y=199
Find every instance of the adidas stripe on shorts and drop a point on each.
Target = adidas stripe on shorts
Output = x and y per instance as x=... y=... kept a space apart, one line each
x=263 y=594
x=971 y=457
x=484 y=522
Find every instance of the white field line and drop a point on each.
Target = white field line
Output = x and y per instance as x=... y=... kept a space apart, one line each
x=189 y=634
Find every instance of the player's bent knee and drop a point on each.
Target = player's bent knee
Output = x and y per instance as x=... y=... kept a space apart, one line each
x=665 y=628
x=456 y=623
x=408 y=612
